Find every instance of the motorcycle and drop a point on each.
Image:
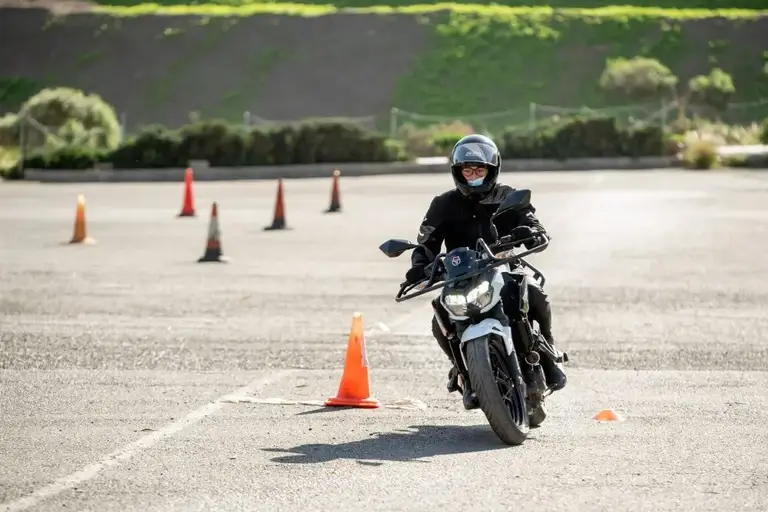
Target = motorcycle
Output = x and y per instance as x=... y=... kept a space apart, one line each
x=497 y=357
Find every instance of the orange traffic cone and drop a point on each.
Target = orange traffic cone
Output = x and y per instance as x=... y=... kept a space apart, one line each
x=335 y=202
x=80 y=236
x=354 y=387
x=213 y=245
x=607 y=415
x=188 y=207
x=279 y=219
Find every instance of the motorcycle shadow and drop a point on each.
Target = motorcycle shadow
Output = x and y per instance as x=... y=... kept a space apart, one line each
x=398 y=446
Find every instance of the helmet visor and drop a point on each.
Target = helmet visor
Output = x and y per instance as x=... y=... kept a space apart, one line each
x=474 y=153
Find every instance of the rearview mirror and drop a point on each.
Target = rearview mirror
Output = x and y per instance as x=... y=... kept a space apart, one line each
x=516 y=201
x=396 y=247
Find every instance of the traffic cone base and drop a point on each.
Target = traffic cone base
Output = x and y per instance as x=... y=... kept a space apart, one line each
x=607 y=415
x=364 y=403
x=85 y=241
x=354 y=388
x=213 y=243
x=335 y=202
x=213 y=256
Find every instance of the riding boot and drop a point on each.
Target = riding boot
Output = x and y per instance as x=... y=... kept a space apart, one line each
x=453 y=373
x=553 y=370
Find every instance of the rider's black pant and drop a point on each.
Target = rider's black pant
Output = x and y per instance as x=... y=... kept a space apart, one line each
x=540 y=311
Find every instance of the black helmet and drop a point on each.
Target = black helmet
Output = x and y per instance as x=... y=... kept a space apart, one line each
x=480 y=150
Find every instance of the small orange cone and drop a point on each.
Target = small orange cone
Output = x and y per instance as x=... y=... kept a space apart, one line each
x=80 y=236
x=213 y=244
x=188 y=207
x=354 y=387
x=279 y=219
x=335 y=202
x=608 y=415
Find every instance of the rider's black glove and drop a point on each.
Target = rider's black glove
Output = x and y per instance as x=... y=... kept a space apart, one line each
x=526 y=232
x=415 y=274
x=535 y=242
x=522 y=232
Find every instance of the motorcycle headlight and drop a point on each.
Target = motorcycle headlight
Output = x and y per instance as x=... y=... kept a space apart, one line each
x=478 y=297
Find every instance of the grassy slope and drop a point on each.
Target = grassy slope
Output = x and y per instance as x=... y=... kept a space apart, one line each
x=498 y=58
x=669 y=4
x=493 y=58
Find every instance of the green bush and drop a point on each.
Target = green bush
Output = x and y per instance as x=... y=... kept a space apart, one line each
x=700 y=154
x=764 y=131
x=583 y=137
x=226 y=145
x=746 y=162
x=155 y=147
x=65 y=157
x=433 y=140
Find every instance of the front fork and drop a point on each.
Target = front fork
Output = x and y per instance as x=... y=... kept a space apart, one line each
x=448 y=329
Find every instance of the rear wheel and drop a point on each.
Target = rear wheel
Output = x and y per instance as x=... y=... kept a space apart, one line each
x=499 y=391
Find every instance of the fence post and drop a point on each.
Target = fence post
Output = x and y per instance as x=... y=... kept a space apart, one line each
x=532 y=116
x=393 y=122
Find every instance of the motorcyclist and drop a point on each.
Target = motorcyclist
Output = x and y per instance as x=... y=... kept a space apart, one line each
x=459 y=217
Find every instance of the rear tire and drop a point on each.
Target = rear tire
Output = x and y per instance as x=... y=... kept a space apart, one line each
x=508 y=417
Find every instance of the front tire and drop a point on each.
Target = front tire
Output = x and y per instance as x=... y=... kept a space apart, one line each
x=498 y=390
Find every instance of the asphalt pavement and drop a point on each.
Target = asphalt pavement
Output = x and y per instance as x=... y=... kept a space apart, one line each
x=133 y=378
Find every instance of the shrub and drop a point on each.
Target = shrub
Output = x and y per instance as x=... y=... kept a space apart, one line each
x=433 y=140
x=584 y=137
x=154 y=147
x=713 y=91
x=639 y=78
x=65 y=157
x=764 y=131
x=700 y=154
x=747 y=161
x=226 y=145
x=720 y=133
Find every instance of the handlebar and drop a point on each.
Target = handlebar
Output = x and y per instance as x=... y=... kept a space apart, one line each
x=428 y=284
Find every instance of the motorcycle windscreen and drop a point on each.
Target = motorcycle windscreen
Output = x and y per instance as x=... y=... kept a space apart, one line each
x=459 y=262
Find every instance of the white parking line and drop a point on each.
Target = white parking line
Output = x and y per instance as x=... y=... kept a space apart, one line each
x=90 y=471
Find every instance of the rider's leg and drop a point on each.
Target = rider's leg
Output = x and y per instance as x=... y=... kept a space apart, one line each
x=541 y=311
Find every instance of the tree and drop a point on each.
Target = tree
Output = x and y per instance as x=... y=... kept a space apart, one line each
x=86 y=117
x=712 y=91
x=9 y=130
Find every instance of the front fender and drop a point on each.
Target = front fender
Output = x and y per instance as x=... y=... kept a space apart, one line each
x=487 y=327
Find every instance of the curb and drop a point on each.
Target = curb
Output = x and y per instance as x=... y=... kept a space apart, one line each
x=422 y=166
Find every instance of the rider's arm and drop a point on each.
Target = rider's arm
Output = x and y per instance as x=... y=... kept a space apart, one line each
x=430 y=235
x=527 y=217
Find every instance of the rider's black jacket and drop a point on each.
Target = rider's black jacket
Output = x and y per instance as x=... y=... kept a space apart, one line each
x=459 y=221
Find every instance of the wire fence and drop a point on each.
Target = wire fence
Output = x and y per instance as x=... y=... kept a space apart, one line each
x=396 y=122
x=489 y=122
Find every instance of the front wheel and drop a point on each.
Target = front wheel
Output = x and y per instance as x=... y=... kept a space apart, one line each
x=498 y=389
